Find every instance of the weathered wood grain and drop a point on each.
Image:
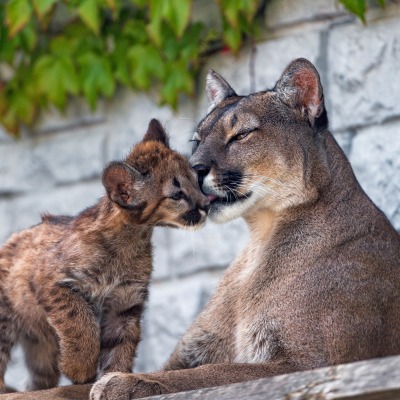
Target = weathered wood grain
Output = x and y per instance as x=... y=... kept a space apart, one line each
x=377 y=379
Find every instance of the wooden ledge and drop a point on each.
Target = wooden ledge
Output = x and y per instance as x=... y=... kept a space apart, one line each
x=377 y=379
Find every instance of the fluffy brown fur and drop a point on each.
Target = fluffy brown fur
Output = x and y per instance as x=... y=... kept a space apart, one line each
x=73 y=289
x=318 y=283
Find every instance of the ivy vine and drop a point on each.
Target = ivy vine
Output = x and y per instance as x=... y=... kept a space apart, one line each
x=51 y=50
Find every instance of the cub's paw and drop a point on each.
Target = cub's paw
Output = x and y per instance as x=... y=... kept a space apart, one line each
x=78 y=361
x=80 y=371
x=119 y=385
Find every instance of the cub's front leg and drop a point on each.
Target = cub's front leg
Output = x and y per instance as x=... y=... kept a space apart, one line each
x=77 y=329
x=120 y=329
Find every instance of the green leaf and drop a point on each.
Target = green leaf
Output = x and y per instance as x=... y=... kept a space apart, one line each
x=55 y=77
x=89 y=13
x=357 y=7
x=15 y=106
x=230 y=10
x=42 y=7
x=18 y=14
x=145 y=64
x=178 y=80
x=178 y=14
x=120 y=62
x=23 y=107
x=233 y=38
x=135 y=31
x=139 y=43
x=140 y=3
x=7 y=46
x=96 y=77
x=191 y=42
x=28 y=38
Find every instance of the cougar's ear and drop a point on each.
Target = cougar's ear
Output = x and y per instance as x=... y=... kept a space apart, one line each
x=156 y=132
x=217 y=88
x=121 y=183
x=300 y=87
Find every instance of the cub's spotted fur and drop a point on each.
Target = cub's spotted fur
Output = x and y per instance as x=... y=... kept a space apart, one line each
x=72 y=289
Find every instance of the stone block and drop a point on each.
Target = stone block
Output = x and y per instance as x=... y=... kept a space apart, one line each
x=4 y=136
x=21 y=169
x=77 y=114
x=214 y=246
x=161 y=254
x=375 y=158
x=130 y=114
x=65 y=200
x=363 y=73
x=281 y=13
x=74 y=156
x=6 y=220
x=172 y=307
x=344 y=140
x=38 y=163
x=274 y=55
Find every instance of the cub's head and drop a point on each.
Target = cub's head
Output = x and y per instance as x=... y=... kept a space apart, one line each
x=264 y=150
x=156 y=185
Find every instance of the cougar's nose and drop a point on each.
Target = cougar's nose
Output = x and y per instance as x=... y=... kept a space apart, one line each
x=202 y=171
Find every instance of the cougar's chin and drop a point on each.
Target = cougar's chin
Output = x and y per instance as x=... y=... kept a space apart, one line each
x=227 y=208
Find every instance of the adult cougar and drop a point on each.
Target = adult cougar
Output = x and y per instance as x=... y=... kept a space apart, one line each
x=318 y=283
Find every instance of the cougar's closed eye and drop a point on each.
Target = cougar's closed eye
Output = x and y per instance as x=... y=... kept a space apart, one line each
x=241 y=135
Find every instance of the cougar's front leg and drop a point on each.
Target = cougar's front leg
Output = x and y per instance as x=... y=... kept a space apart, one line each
x=120 y=331
x=134 y=386
x=77 y=329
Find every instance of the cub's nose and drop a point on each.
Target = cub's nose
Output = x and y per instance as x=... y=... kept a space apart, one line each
x=204 y=205
x=202 y=171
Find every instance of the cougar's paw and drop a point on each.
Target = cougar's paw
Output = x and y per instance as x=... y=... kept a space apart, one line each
x=122 y=386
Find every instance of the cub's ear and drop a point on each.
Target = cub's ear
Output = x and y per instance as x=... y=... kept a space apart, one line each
x=156 y=132
x=217 y=88
x=300 y=87
x=120 y=181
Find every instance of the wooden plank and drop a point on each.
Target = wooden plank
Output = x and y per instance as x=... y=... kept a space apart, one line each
x=377 y=379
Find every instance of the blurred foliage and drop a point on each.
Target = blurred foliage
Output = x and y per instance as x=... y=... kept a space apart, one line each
x=359 y=7
x=51 y=50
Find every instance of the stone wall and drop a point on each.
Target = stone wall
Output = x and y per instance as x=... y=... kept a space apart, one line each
x=57 y=166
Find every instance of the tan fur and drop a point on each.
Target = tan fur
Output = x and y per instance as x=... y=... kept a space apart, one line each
x=319 y=282
x=73 y=288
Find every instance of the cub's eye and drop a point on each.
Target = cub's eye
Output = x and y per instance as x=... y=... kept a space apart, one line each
x=177 y=196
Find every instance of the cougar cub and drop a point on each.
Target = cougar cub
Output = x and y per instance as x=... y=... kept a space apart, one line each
x=72 y=289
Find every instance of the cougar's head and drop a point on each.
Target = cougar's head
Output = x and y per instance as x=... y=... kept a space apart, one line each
x=156 y=185
x=261 y=150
